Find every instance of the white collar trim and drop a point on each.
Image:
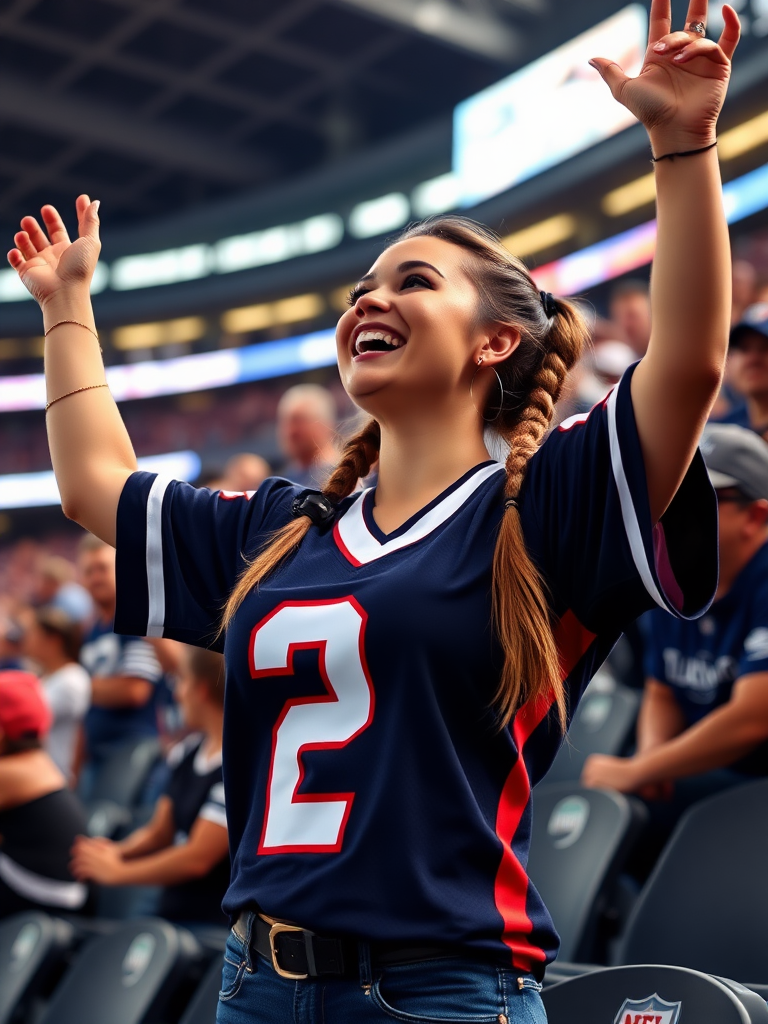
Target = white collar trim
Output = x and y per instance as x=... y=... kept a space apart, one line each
x=358 y=544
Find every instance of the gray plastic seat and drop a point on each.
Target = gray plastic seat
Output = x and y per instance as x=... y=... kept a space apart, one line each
x=617 y=995
x=141 y=973
x=603 y=724
x=32 y=950
x=202 y=1006
x=579 y=843
x=705 y=905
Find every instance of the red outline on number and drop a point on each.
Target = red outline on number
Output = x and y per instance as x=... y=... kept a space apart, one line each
x=320 y=645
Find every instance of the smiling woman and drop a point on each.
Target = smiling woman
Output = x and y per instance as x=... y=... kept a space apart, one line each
x=401 y=660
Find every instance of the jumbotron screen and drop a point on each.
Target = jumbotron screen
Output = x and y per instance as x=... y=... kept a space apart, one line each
x=546 y=111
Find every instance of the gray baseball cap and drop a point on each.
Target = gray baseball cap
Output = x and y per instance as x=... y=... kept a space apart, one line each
x=754 y=318
x=736 y=457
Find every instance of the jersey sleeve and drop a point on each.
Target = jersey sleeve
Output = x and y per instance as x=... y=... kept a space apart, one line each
x=138 y=660
x=180 y=550
x=214 y=808
x=585 y=503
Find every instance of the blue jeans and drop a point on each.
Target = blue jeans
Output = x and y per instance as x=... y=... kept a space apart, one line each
x=444 y=991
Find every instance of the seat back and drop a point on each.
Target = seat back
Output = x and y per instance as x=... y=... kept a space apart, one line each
x=705 y=905
x=656 y=995
x=579 y=841
x=32 y=947
x=202 y=1006
x=131 y=976
x=603 y=724
x=121 y=779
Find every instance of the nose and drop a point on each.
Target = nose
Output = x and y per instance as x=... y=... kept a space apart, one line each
x=372 y=300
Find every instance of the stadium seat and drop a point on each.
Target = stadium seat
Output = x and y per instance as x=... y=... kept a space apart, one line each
x=705 y=906
x=579 y=842
x=603 y=724
x=652 y=995
x=124 y=775
x=202 y=1006
x=139 y=974
x=32 y=951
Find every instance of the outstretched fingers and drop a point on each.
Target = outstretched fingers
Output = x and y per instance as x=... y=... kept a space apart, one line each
x=660 y=20
x=731 y=33
x=88 y=216
x=611 y=74
x=16 y=259
x=37 y=236
x=54 y=224
x=25 y=245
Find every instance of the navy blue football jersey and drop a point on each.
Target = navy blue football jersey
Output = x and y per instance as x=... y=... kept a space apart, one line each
x=700 y=661
x=370 y=791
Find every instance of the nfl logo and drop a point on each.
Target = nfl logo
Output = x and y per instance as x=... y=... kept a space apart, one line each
x=651 y=1010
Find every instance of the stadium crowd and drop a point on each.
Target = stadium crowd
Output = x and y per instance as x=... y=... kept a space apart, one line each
x=79 y=705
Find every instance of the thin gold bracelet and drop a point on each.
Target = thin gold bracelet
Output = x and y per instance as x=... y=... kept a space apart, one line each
x=76 y=324
x=88 y=387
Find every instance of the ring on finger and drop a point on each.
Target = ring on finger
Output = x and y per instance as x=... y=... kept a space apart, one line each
x=698 y=27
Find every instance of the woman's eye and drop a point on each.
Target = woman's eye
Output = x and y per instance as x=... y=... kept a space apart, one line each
x=415 y=281
x=355 y=294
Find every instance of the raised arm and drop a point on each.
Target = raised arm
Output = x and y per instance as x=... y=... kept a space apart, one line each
x=678 y=96
x=91 y=452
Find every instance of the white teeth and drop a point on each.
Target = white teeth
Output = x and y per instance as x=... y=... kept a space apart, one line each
x=365 y=336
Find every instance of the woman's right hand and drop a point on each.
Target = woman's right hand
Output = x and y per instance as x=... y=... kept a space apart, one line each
x=50 y=264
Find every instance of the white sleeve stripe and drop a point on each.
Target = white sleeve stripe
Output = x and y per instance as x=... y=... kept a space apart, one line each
x=628 y=511
x=155 y=579
x=212 y=813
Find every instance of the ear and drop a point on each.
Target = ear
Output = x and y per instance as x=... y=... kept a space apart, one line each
x=758 y=514
x=499 y=344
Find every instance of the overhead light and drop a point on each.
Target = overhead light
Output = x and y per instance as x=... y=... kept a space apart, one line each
x=630 y=196
x=162 y=332
x=269 y=314
x=377 y=216
x=436 y=195
x=339 y=298
x=743 y=137
x=10 y=348
x=260 y=248
x=541 y=236
x=167 y=267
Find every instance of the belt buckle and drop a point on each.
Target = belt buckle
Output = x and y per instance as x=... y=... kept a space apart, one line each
x=274 y=930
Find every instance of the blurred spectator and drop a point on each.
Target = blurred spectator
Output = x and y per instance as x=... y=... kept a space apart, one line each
x=39 y=816
x=748 y=370
x=124 y=670
x=52 y=641
x=601 y=369
x=56 y=587
x=306 y=430
x=11 y=638
x=184 y=847
x=744 y=289
x=244 y=472
x=703 y=724
x=630 y=311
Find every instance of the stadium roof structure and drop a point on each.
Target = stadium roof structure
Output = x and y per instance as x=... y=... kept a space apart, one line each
x=159 y=106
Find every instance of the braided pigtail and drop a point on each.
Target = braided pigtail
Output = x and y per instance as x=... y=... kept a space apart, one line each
x=552 y=334
x=520 y=608
x=357 y=457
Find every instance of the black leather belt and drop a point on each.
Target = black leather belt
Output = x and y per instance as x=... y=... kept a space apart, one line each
x=297 y=953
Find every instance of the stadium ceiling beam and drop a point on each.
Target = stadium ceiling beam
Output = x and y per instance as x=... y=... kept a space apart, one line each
x=92 y=123
x=468 y=30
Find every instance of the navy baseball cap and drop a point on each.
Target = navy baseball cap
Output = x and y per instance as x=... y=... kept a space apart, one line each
x=755 y=318
x=736 y=457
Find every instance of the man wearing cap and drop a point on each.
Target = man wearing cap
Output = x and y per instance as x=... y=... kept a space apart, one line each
x=748 y=370
x=703 y=723
x=39 y=816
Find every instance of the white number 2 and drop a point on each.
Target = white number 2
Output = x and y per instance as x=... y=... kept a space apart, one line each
x=312 y=822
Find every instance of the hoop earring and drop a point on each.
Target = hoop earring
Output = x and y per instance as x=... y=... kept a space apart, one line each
x=493 y=418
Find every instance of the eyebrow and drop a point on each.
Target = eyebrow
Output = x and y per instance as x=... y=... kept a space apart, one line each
x=408 y=265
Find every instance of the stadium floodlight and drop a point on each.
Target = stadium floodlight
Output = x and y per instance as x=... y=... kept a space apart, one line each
x=187 y=263
x=377 y=216
x=630 y=197
x=436 y=195
x=161 y=332
x=501 y=138
x=543 y=235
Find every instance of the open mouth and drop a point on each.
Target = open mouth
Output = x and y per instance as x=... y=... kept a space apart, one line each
x=377 y=340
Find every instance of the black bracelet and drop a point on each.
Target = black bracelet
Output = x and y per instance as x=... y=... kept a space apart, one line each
x=689 y=152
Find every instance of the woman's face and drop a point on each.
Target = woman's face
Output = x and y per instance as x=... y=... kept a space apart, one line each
x=412 y=329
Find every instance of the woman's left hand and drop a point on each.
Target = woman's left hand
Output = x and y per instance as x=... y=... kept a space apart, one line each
x=96 y=860
x=604 y=772
x=683 y=81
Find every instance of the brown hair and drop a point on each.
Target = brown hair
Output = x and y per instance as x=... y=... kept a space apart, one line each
x=56 y=622
x=532 y=379
x=207 y=667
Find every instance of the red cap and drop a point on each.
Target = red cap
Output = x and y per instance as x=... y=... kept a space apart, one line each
x=23 y=708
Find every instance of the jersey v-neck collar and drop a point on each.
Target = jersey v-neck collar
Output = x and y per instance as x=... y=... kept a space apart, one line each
x=360 y=539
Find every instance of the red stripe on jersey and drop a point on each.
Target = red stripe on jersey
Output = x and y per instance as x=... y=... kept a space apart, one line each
x=511 y=887
x=343 y=547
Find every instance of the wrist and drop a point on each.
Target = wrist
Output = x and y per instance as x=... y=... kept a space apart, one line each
x=72 y=304
x=679 y=142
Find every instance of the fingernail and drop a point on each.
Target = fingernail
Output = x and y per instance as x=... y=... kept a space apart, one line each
x=593 y=64
x=660 y=47
x=96 y=204
x=679 y=56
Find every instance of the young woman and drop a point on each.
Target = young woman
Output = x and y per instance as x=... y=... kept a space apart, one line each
x=184 y=846
x=401 y=663
x=52 y=640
